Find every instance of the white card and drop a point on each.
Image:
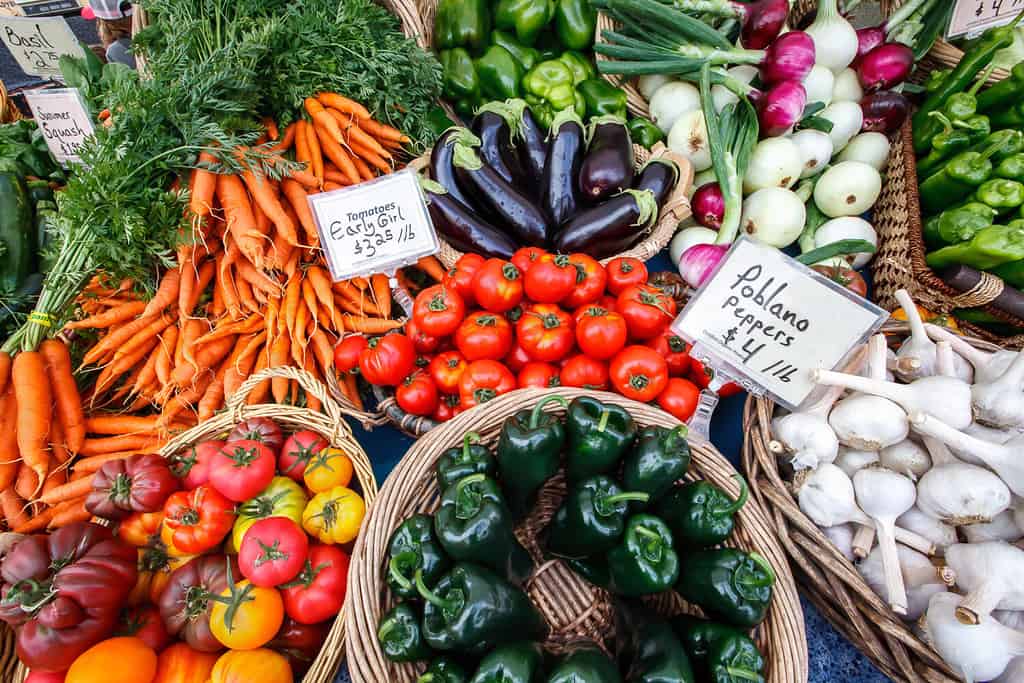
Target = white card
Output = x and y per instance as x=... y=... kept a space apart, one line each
x=38 y=44
x=64 y=121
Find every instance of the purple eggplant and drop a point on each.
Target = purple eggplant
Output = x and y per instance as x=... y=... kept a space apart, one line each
x=565 y=155
x=516 y=212
x=531 y=140
x=608 y=165
x=610 y=228
x=441 y=168
x=462 y=228
x=491 y=125
x=660 y=177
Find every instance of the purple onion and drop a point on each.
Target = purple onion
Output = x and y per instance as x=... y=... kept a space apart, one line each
x=789 y=58
x=762 y=21
x=699 y=261
x=885 y=66
x=884 y=112
x=867 y=40
x=708 y=205
x=780 y=108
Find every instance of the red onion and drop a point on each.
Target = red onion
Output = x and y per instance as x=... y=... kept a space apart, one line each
x=867 y=40
x=781 y=107
x=789 y=58
x=884 y=112
x=885 y=66
x=699 y=261
x=762 y=21
x=708 y=205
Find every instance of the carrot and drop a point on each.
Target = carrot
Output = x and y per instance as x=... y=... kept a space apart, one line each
x=165 y=294
x=316 y=157
x=258 y=279
x=10 y=459
x=183 y=401
x=305 y=178
x=239 y=217
x=112 y=444
x=73 y=511
x=356 y=323
x=119 y=424
x=146 y=379
x=113 y=341
x=11 y=504
x=263 y=224
x=189 y=278
x=299 y=331
x=271 y=126
x=226 y=329
x=204 y=182
x=292 y=294
x=264 y=195
x=33 y=393
x=203 y=279
x=312 y=402
x=165 y=355
x=432 y=267
x=309 y=298
x=364 y=171
x=36 y=523
x=337 y=177
x=5 y=370
x=27 y=483
x=144 y=336
x=320 y=282
x=382 y=131
x=343 y=105
x=242 y=366
x=92 y=464
x=58 y=446
x=213 y=398
x=292 y=266
x=356 y=135
x=279 y=355
x=352 y=390
x=296 y=196
x=245 y=295
x=109 y=318
x=227 y=288
x=136 y=367
x=355 y=301
x=285 y=143
x=381 y=294
x=262 y=390
x=336 y=153
x=65 y=392
x=205 y=358
x=322 y=117
x=376 y=160
x=331 y=186
x=323 y=350
x=58 y=475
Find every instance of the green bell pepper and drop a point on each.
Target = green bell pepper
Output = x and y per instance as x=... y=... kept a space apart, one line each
x=520 y=662
x=462 y=461
x=730 y=585
x=529 y=452
x=585 y=664
x=400 y=636
x=548 y=45
x=599 y=435
x=474 y=524
x=963 y=222
x=1011 y=168
x=591 y=519
x=723 y=653
x=472 y=610
x=461 y=81
x=650 y=646
x=581 y=67
x=549 y=88
x=462 y=23
x=526 y=17
x=443 y=670
x=575 y=23
x=414 y=547
x=659 y=458
x=1001 y=194
x=1004 y=93
x=645 y=133
x=957 y=180
x=700 y=514
x=526 y=56
x=602 y=98
x=499 y=73
x=930 y=232
x=990 y=247
x=645 y=561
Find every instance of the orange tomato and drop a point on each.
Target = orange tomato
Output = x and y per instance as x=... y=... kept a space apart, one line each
x=167 y=538
x=246 y=616
x=139 y=527
x=135 y=663
x=181 y=664
x=246 y=666
x=155 y=567
x=327 y=469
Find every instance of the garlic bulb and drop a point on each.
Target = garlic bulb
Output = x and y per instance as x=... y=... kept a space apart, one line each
x=922 y=578
x=978 y=652
x=1014 y=673
x=841 y=536
x=942 y=535
x=850 y=459
x=1003 y=527
x=957 y=493
x=1000 y=402
x=806 y=434
x=906 y=457
x=884 y=495
x=991 y=574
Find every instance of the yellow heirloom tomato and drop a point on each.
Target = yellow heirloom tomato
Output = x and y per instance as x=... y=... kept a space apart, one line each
x=334 y=516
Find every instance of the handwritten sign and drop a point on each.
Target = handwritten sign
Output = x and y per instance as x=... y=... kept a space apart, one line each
x=767 y=318
x=971 y=17
x=37 y=44
x=374 y=227
x=9 y=8
x=64 y=120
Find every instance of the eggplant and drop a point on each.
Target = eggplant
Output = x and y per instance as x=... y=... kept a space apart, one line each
x=565 y=154
x=441 y=168
x=523 y=219
x=491 y=125
x=608 y=166
x=531 y=141
x=462 y=228
x=609 y=228
x=660 y=177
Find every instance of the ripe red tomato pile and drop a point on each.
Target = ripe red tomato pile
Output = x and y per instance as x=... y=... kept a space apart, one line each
x=539 y=320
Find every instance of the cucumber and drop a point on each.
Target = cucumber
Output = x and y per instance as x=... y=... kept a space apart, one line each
x=17 y=232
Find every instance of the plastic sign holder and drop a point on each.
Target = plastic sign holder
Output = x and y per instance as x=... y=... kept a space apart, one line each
x=971 y=17
x=64 y=121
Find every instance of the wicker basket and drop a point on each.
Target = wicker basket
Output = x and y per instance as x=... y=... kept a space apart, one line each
x=9 y=112
x=573 y=608
x=827 y=578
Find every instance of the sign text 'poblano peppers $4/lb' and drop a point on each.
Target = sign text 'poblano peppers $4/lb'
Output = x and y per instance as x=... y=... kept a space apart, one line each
x=586 y=662
x=652 y=649
x=658 y=459
x=519 y=662
x=719 y=651
x=474 y=524
x=400 y=636
x=591 y=518
x=472 y=609
x=599 y=434
x=414 y=547
x=645 y=561
x=729 y=585
x=529 y=451
x=990 y=247
x=462 y=461
x=700 y=514
x=443 y=670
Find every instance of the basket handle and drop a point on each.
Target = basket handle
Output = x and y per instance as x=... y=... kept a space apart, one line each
x=677 y=203
x=236 y=402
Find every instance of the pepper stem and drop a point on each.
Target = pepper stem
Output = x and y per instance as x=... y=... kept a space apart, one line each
x=763 y=563
x=602 y=424
x=469 y=439
x=744 y=674
x=426 y=678
x=429 y=595
x=982 y=79
x=947 y=125
x=739 y=502
x=538 y=409
x=626 y=497
x=397 y=576
x=647 y=533
x=680 y=431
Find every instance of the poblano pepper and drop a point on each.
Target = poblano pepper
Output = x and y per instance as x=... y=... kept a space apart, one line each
x=963 y=105
x=526 y=17
x=472 y=610
x=462 y=23
x=700 y=514
x=526 y=56
x=575 y=23
x=645 y=561
x=520 y=662
x=414 y=547
x=724 y=654
x=1011 y=168
x=990 y=247
x=1004 y=93
x=443 y=670
x=549 y=88
x=645 y=133
x=579 y=65
x=591 y=518
x=461 y=82
x=529 y=451
x=961 y=175
x=599 y=435
x=399 y=635
x=650 y=647
x=593 y=569
x=602 y=98
x=587 y=663
x=462 y=461
x=729 y=585
x=930 y=232
x=499 y=73
x=1001 y=194
x=658 y=459
x=945 y=144
x=977 y=127
x=963 y=222
x=1011 y=117
x=474 y=524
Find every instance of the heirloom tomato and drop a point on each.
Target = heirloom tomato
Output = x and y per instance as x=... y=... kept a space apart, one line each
x=334 y=516
x=246 y=616
x=155 y=569
x=246 y=666
x=539 y=375
x=416 y=395
x=192 y=465
x=446 y=370
x=484 y=380
x=550 y=279
x=318 y=592
x=591 y=280
x=259 y=429
x=498 y=286
x=282 y=498
x=297 y=451
x=144 y=622
x=601 y=333
x=115 y=660
x=625 y=272
x=140 y=528
x=546 y=333
x=141 y=483
x=639 y=373
x=242 y=469
x=674 y=350
x=45 y=677
x=180 y=663
x=585 y=372
x=387 y=360
x=460 y=277
x=331 y=467
x=197 y=520
x=272 y=552
x=187 y=602
x=299 y=643
x=648 y=311
x=484 y=336
x=346 y=353
x=438 y=310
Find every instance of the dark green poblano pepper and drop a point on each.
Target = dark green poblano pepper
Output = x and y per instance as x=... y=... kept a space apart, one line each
x=599 y=434
x=724 y=654
x=593 y=569
x=443 y=670
x=520 y=662
x=462 y=461
x=700 y=514
x=658 y=459
x=529 y=451
x=474 y=524
x=645 y=561
x=591 y=519
x=414 y=547
x=602 y=98
x=1012 y=167
x=399 y=635
x=990 y=247
x=645 y=133
x=649 y=646
x=585 y=664
x=729 y=585
x=957 y=180
x=472 y=610
x=949 y=141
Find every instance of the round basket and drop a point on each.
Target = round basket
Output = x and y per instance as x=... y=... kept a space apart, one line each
x=828 y=579
x=9 y=112
x=573 y=608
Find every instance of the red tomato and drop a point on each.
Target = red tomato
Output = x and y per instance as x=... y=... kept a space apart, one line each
x=45 y=677
x=446 y=406
x=318 y=592
x=144 y=623
x=517 y=358
x=679 y=398
x=273 y=552
x=446 y=369
x=537 y=374
x=674 y=350
x=601 y=333
x=545 y=333
x=526 y=257
x=197 y=520
x=484 y=380
x=585 y=372
x=387 y=360
x=647 y=310
x=346 y=353
x=702 y=376
x=421 y=341
x=606 y=302
x=550 y=279
x=242 y=469
x=625 y=272
x=498 y=286
x=484 y=336
x=192 y=465
x=438 y=310
x=460 y=277
x=417 y=394
x=639 y=373
x=590 y=281
x=297 y=451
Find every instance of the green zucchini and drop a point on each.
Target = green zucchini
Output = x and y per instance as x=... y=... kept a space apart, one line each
x=17 y=232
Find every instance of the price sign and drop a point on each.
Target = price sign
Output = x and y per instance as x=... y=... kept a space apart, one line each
x=974 y=16
x=771 y=321
x=38 y=44
x=9 y=8
x=64 y=120
x=374 y=227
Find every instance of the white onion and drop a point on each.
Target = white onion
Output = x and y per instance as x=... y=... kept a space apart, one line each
x=774 y=216
x=689 y=138
x=870 y=148
x=775 y=162
x=846 y=87
x=672 y=101
x=847 y=228
x=649 y=84
x=847 y=119
x=815 y=149
x=818 y=84
x=847 y=189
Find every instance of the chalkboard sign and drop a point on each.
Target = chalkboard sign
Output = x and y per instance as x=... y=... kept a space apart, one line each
x=63 y=119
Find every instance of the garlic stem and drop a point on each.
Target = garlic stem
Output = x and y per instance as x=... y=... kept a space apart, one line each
x=947 y=398
x=885 y=495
